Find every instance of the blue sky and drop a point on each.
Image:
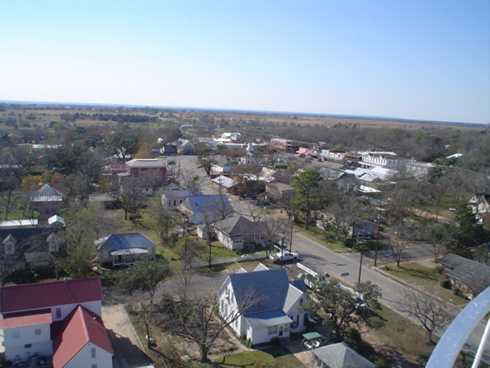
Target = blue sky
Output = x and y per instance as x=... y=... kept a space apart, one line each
x=410 y=59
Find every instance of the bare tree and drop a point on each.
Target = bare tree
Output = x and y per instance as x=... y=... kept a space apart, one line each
x=275 y=231
x=130 y=195
x=199 y=321
x=431 y=315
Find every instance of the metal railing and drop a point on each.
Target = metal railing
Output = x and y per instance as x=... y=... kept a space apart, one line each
x=459 y=331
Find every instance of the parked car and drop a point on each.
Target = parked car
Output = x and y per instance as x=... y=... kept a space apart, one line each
x=285 y=256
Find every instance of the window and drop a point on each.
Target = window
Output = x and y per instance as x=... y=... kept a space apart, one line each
x=37 y=331
x=27 y=346
x=57 y=313
x=93 y=352
x=94 y=365
x=272 y=330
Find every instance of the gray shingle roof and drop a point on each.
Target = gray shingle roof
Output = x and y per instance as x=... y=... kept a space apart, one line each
x=46 y=194
x=238 y=225
x=209 y=203
x=270 y=289
x=341 y=356
x=474 y=274
x=114 y=242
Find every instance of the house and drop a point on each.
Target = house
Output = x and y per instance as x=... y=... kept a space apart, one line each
x=335 y=155
x=59 y=320
x=26 y=244
x=365 y=230
x=238 y=232
x=220 y=169
x=206 y=208
x=367 y=191
x=304 y=152
x=224 y=182
x=328 y=173
x=339 y=356
x=285 y=145
x=124 y=249
x=148 y=168
x=480 y=205
x=169 y=149
x=279 y=192
x=380 y=158
x=173 y=198
x=46 y=194
x=263 y=304
x=46 y=200
x=347 y=181
x=469 y=276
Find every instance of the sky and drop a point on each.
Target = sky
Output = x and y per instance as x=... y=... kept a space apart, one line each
x=420 y=59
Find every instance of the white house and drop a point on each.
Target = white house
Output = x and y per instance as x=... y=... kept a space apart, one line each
x=335 y=155
x=206 y=208
x=237 y=232
x=59 y=320
x=263 y=304
x=173 y=198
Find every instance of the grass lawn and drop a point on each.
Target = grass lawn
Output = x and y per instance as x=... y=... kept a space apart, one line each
x=425 y=278
x=396 y=333
x=252 y=359
x=318 y=235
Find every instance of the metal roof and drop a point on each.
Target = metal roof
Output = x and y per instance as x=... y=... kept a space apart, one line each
x=114 y=242
x=341 y=356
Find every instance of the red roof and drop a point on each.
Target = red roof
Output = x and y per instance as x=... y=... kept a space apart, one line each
x=77 y=330
x=42 y=317
x=44 y=295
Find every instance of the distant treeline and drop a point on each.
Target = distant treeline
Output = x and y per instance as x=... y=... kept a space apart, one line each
x=121 y=118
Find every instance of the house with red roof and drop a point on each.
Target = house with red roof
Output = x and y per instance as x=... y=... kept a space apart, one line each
x=60 y=320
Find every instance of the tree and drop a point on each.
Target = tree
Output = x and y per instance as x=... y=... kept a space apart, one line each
x=145 y=276
x=429 y=312
x=130 y=195
x=307 y=196
x=164 y=221
x=123 y=143
x=79 y=237
x=198 y=320
x=337 y=304
x=469 y=232
x=439 y=236
x=275 y=231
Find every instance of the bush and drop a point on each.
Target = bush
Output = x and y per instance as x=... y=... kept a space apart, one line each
x=381 y=362
x=446 y=284
x=458 y=292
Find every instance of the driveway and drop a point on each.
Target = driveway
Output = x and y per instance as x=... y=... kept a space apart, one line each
x=128 y=349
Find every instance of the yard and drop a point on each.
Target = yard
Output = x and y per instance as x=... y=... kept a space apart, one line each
x=397 y=338
x=425 y=278
x=320 y=236
x=257 y=358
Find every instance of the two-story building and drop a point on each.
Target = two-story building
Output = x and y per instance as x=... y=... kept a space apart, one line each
x=59 y=320
x=262 y=305
x=150 y=168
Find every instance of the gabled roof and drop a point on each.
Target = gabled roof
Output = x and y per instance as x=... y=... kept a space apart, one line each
x=146 y=163
x=46 y=194
x=44 y=295
x=77 y=330
x=224 y=181
x=270 y=290
x=15 y=320
x=474 y=274
x=341 y=356
x=238 y=225
x=212 y=205
x=114 y=242
x=177 y=194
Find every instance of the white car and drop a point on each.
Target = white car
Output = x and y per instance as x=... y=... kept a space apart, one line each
x=285 y=256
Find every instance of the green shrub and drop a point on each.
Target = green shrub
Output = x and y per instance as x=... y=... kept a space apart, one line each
x=446 y=284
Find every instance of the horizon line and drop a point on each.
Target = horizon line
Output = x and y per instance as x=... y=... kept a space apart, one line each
x=237 y=110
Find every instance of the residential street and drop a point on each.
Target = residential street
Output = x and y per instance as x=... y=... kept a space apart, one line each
x=342 y=266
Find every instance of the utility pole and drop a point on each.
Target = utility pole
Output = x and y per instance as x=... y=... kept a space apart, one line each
x=360 y=268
